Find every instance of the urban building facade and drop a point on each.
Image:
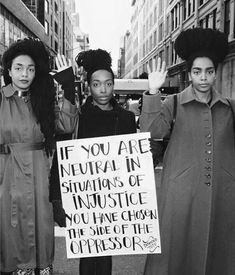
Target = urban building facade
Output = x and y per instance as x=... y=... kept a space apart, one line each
x=56 y=17
x=17 y=22
x=155 y=24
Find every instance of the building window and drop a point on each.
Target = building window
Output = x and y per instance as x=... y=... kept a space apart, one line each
x=160 y=33
x=56 y=9
x=167 y=24
x=56 y=28
x=155 y=39
x=184 y=10
x=201 y=2
x=167 y=55
x=214 y=13
x=227 y=17
x=207 y=21
x=46 y=27
x=160 y=7
x=56 y=46
x=46 y=6
x=155 y=14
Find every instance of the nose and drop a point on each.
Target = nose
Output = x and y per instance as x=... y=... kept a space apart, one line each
x=203 y=76
x=103 y=88
x=24 y=72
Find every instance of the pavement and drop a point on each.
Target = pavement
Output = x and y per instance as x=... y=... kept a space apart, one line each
x=122 y=265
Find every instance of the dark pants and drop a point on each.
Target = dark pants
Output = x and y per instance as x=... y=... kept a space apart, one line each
x=96 y=266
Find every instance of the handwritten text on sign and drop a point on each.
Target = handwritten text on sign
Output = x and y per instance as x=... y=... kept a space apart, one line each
x=108 y=193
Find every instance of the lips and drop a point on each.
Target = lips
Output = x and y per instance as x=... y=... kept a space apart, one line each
x=24 y=81
x=204 y=85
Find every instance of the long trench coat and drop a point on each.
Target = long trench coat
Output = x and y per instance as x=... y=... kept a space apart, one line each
x=26 y=217
x=196 y=195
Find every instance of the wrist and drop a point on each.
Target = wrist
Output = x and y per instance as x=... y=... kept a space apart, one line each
x=153 y=91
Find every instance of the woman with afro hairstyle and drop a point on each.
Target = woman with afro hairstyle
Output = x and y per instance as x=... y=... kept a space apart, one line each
x=196 y=195
x=27 y=129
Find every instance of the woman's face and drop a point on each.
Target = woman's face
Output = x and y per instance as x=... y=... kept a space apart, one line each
x=101 y=88
x=22 y=72
x=202 y=74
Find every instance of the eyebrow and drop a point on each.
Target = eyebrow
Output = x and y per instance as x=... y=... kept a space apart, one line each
x=20 y=64
x=102 y=81
x=198 y=68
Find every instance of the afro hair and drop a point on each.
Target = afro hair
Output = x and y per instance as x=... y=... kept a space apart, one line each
x=94 y=60
x=27 y=46
x=202 y=42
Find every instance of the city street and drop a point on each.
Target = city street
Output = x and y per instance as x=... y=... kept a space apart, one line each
x=122 y=265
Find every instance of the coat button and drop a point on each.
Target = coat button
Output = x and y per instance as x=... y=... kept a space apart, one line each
x=208 y=136
x=209 y=152
x=208 y=143
x=208 y=160
x=208 y=176
x=208 y=183
x=208 y=168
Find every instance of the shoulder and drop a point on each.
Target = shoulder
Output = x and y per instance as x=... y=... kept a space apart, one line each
x=125 y=112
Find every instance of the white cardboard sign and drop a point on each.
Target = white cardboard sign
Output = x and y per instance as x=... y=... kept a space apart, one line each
x=108 y=193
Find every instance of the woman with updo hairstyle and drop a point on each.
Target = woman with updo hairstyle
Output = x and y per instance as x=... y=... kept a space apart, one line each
x=100 y=116
x=196 y=193
x=27 y=130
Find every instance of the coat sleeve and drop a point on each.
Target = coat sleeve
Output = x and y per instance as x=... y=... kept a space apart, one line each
x=54 y=182
x=133 y=125
x=156 y=116
x=67 y=117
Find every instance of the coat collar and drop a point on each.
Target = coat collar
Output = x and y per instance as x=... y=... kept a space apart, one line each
x=188 y=95
x=8 y=90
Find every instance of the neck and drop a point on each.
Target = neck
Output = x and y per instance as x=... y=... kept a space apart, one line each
x=203 y=97
x=22 y=93
x=107 y=107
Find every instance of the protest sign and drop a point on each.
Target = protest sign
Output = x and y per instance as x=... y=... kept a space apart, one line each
x=108 y=193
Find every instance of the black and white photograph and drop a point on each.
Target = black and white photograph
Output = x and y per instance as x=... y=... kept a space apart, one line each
x=117 y=137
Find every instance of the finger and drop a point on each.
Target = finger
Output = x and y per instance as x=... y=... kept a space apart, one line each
x=154 y=65
x=163 y=69
x=158 y=64
x=148 y=69
x=64 y=62
x=58 y=61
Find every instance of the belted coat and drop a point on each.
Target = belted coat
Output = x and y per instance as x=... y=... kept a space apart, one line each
x=196 y=194
x=26 y=217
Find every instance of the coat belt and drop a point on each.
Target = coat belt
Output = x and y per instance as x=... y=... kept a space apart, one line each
x=12 y=149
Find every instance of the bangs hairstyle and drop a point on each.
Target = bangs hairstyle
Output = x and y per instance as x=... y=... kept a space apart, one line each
x=94 y=60
x=199 y=42
x=42 y=90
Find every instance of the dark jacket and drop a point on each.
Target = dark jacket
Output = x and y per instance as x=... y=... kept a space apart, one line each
x=95 y=122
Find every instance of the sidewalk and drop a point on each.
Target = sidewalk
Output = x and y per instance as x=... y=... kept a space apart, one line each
x=122 y=265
